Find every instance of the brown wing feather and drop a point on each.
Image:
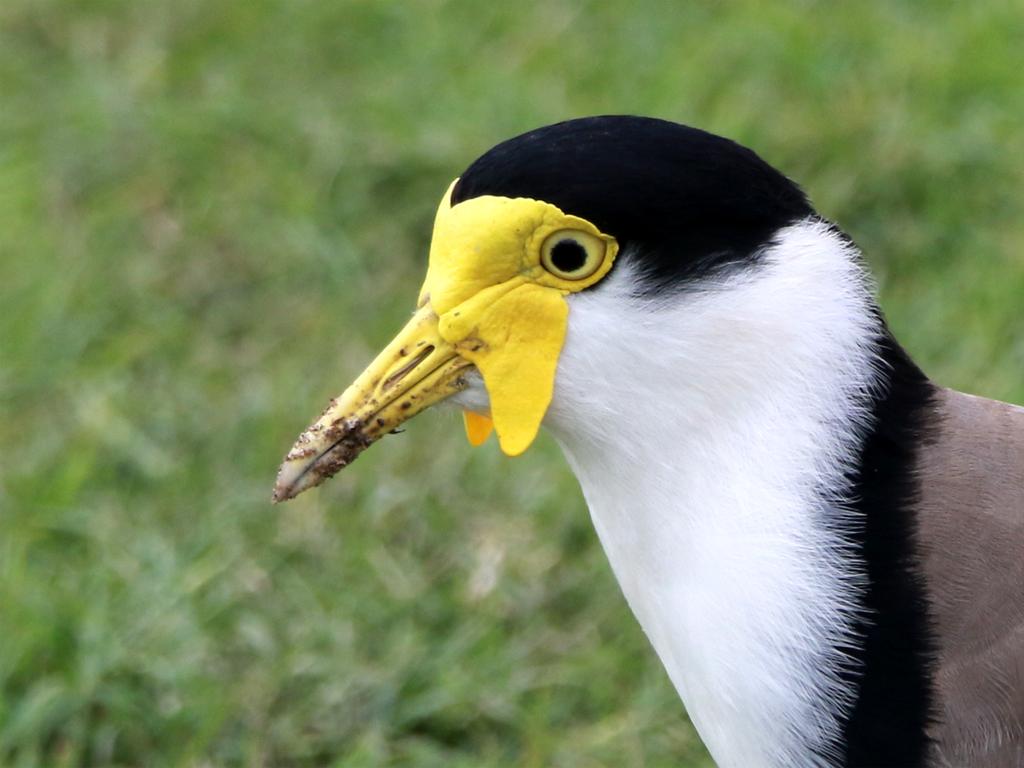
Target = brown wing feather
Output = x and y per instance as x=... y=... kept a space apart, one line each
x=971 y=531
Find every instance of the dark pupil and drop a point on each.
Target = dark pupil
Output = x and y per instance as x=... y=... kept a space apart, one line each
x=568 y=255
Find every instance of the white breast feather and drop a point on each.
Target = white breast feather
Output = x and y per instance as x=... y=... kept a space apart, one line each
x=710 y=432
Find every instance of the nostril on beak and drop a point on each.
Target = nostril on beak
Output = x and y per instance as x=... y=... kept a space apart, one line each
x=404 y=371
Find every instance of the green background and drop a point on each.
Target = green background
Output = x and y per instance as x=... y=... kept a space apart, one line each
x=213 y=212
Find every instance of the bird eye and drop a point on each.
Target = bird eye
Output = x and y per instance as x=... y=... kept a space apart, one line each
x=572 y=254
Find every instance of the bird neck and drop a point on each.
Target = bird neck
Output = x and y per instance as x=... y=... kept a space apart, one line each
x=734 y=484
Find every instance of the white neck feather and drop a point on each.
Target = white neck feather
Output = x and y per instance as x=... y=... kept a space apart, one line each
x=710 y=432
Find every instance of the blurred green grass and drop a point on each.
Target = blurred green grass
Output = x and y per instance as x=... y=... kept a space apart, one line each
x=212 y=213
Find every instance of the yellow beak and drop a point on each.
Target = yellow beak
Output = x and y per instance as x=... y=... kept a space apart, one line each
x=417 y=369
x=487 y=303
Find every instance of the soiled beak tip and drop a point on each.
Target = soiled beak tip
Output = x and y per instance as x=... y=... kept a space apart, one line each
x=293 y=478
x=324 y=449
x=281 y=493
x=418 y=368
x=285 y=485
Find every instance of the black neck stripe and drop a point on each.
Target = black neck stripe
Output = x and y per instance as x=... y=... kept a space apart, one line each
x=896 y=656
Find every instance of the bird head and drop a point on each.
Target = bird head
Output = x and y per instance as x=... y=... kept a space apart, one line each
x=533 y=224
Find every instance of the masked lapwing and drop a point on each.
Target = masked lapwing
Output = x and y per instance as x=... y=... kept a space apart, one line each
x=825 y=548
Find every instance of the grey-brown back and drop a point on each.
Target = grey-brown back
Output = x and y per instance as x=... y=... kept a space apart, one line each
x=971 y=533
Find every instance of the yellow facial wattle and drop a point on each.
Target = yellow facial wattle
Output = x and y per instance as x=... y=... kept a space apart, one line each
x=500 y=307
x=494 y=298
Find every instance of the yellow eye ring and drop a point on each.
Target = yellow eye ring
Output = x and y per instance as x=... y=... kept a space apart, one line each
x=572 y=254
